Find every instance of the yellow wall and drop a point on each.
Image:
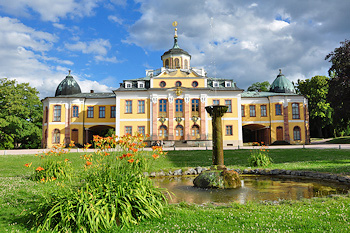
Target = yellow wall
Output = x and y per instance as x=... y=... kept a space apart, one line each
x=134 y=114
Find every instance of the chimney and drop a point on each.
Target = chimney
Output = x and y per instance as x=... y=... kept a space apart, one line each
x=91 y=91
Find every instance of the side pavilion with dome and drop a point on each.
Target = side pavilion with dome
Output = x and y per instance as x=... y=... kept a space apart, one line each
x=168 y=104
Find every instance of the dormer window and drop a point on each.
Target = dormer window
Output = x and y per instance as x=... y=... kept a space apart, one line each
x=215 y=84
x=228 y=84
x=128 y=85
x=141 y=84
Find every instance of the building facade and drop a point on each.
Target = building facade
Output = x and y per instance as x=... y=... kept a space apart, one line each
x=168 y=104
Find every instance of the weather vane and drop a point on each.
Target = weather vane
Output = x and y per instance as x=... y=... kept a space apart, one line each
x=175 y=24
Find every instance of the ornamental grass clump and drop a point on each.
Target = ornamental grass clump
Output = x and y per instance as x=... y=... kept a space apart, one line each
x=260 y=157
x=113 y=191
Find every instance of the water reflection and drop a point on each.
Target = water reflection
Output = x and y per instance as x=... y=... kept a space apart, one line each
x=253 y=188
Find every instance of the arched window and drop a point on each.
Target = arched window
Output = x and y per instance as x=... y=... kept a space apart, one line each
x=178 y=84
x=56 y=136
x=163 y=132
x=179 y=132
x=166 y=63
x=177 y=63
x=186 y=64
x=297 y=133
x=195 y=132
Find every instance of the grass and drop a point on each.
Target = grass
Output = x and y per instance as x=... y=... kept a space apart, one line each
x=18 y=195
x=340 y=140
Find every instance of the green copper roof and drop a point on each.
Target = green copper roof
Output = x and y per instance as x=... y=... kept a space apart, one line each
x=282 y=85
x=176 y=49
x=68 y=87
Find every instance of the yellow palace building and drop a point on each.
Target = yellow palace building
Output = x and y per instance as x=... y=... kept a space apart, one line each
x=168 y=104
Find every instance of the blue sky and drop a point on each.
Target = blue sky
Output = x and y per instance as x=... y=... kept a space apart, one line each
x=105 y=42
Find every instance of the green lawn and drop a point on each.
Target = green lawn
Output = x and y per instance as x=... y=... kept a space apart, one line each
x=19 y=195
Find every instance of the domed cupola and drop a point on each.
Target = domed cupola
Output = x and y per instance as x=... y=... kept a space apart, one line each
x=282 y=85
x=176 y=58
x=68 y=86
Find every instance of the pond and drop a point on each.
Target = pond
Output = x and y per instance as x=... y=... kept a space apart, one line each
x=254 y=188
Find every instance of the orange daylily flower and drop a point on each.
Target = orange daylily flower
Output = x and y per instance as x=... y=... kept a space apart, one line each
x=88 y=163
x=131 y=160
x=66 y=160
x=28 y=164
x=39 y=169
x=155 y=156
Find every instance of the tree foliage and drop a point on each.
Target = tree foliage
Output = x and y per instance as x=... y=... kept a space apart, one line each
x=316 y=90
x=263 y=86
x=339 y=85
x=20 y=115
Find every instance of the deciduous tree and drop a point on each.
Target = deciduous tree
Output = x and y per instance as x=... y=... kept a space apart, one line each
x=263 y=86
x=316 y=90
x=20 y=115
x=339 y=85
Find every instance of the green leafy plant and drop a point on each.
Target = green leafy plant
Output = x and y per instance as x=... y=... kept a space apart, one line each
x=113 y=191
x=259 y=157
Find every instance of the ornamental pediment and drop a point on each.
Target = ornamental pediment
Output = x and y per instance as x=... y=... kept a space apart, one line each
x=177 y=74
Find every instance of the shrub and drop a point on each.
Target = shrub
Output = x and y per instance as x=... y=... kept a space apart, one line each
x=259 y=157
x=113 y=191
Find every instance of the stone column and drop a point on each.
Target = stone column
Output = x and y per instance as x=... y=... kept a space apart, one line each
x=216 y=112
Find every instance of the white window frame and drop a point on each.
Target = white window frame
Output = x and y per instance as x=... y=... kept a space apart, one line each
x=228 y=84
x=128 y=85
x=216 y=84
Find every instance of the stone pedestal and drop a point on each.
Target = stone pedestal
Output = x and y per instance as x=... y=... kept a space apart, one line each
x=218 y=176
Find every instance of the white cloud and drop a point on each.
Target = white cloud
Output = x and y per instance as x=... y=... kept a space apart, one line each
x=115 y=19
x=247 y=42
x=23 y=57
x=97 y=46
x=50 y=10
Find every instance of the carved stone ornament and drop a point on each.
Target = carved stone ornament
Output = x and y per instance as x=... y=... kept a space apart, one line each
x=154 y=99
x=171 y=99
x=203 y=98
x=178 y=119
x=162 y=120
x=178 y=91
x=195 y=119
x=187 y=99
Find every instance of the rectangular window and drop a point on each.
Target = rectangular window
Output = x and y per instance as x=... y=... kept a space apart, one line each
x=295 y=111
x=216 y=102
x=57 y=113
x=75 y=111
x=252 y=110
x=141 y=130
x=228 y=103
x=162 y=107
x=128 y=130
x=229 y=130
x=128 y=106
x=90 y=112
x=263 y=111
x=242 y=110
x=178 y=105
x=102 y=112
x=113 y=112
x=195 y=105
x=278 y=109
x=141 y=106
